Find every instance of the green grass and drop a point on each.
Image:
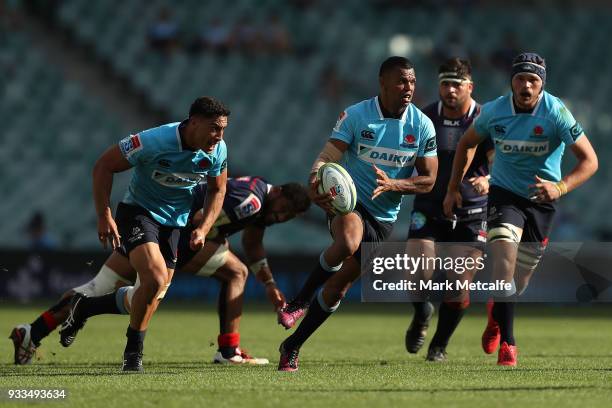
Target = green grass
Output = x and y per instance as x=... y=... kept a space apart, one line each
x=356 y=359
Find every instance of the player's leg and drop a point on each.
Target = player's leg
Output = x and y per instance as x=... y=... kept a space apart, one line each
x=423 y=309
x=154 y=258
x=330 y=261
x=216 y=260
x=537 y=228
x=347 y=231
x=154 y=278
x=506 y=221
x=27 y=337
x=99 y=296
x=232 y=275
x=540 y=220
x=455 y=303
x=325 y=303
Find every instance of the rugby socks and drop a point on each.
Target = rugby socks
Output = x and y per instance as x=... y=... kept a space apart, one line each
x=228 y=343
x=135 y=340
x=222 y=307
x=41 y=327
x=503 y=313
x=321 y=273
x=105 y=304
x=449 y=317
x=316 y=316
x=420 y=311
x=46 y=323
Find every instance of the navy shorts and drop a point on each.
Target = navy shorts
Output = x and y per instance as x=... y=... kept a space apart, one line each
x=424 y=225
x=536 y=219
x=137 y=227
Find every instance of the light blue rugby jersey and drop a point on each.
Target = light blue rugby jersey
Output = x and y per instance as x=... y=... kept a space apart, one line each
x=165 y=174
x=391 y=144
x=527 y=144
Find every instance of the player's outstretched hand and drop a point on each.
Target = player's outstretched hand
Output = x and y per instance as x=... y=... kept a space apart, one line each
x=480 y=184
x=322 y=200
x=452 y=200
x=197 y=239
x=383 y=181
x=107 y=232
x=275 y=296
x=543 y=191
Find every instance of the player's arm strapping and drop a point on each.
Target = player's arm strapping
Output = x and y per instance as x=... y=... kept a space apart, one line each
x=252 y=243
x=112 y=161
x=215 y=193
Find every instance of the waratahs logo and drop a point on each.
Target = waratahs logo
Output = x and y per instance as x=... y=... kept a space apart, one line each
x=409 y=141
x=204 y=163
x=336 y=190
x=538 y=130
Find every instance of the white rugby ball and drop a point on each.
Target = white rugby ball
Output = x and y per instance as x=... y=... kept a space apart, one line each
x=335 y=180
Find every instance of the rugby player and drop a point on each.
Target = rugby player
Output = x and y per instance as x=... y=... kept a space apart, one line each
x=250 y=205
x=389 y=124
x=530 y=129
x=169 y=161
x=451 y=115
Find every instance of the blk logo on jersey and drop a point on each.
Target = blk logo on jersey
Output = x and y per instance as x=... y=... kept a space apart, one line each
x=453 y=123
x=130 y=145
x=517 y=146
x=385 y=156
x=176 y=180
x=250 y=206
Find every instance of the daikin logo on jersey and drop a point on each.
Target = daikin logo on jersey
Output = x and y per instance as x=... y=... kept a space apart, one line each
x=385 y=156
x=532 y=148
x=176 y=179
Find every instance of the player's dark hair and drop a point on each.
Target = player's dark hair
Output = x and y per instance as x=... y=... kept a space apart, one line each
x=460 y=67
x=297 y=195
x=208 y=107
x=394 y=62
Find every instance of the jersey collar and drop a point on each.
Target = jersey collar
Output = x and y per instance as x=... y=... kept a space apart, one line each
x=535 y=108
x=178 y=136
x=382 y=117
x=469 y=113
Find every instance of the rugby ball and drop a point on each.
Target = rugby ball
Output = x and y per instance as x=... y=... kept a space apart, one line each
x=333 y=179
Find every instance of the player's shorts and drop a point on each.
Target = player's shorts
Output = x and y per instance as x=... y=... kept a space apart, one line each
x=472 y=229
x=137 y=227
x=536 y=219
x=374 y=231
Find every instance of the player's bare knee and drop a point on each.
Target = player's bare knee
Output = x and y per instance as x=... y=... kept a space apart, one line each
x=239 y=274
x=347 y=245
x=153 y=283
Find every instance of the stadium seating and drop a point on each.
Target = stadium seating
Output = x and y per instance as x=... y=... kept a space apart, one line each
x=280 y=117
x=52 y=134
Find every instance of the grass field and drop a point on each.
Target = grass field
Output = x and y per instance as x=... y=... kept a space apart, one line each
x=356 y=359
